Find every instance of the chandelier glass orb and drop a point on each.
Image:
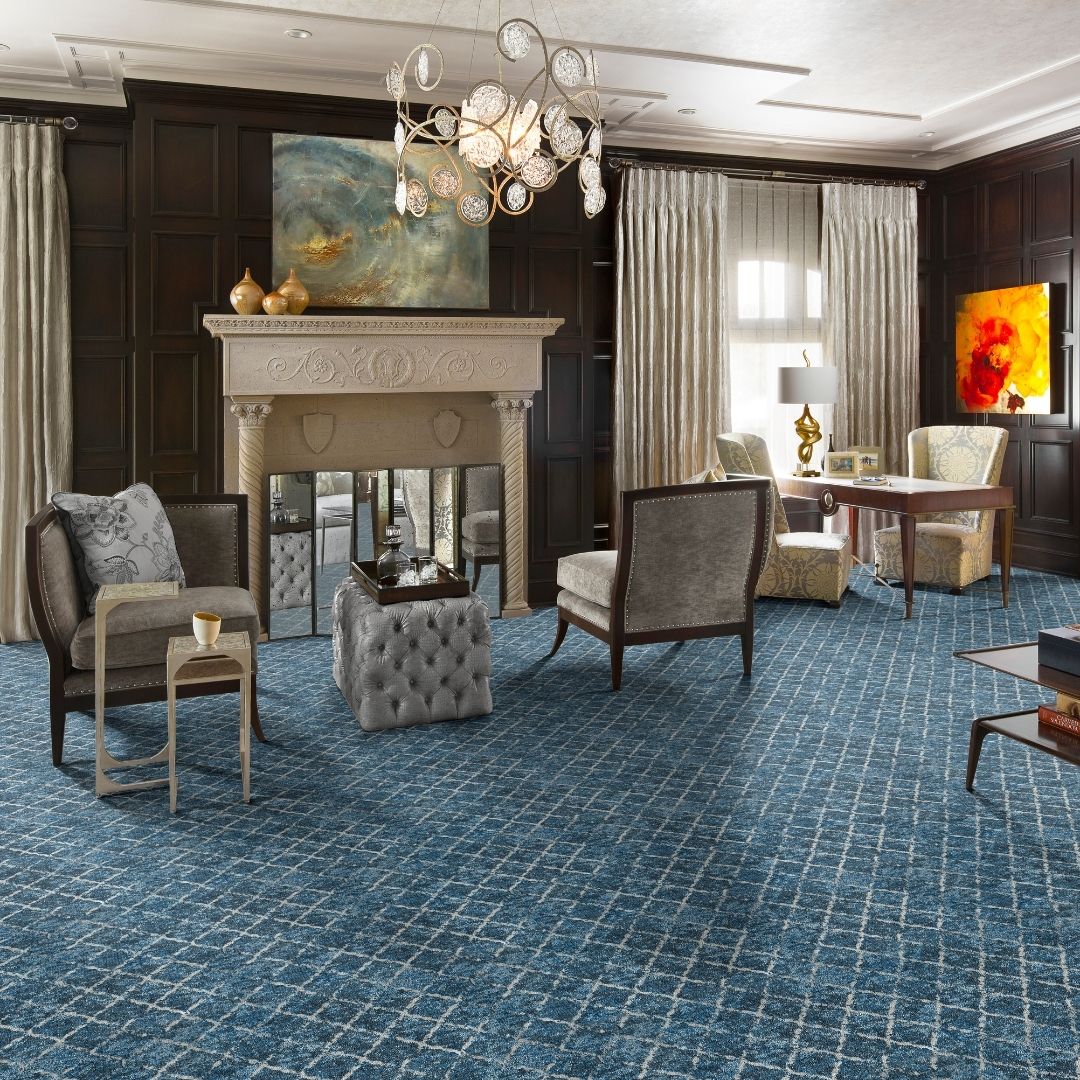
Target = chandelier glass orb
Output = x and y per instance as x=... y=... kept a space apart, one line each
x=514 y=144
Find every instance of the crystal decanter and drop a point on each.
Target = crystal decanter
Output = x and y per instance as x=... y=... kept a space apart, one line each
x=393 y=562
x=278 y=515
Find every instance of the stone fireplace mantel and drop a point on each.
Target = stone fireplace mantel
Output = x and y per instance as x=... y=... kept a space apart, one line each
x=320 y=356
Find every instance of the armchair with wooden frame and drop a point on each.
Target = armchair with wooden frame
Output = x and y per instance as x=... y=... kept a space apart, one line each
x=686 y=566
x=212 y=541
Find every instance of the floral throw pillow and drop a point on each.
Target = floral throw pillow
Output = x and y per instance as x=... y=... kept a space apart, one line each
x=119 y=539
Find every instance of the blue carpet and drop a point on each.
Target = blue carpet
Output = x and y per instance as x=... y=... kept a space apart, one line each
x=698 y=877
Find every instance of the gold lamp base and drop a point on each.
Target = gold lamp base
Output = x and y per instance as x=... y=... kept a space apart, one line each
x=809 y=432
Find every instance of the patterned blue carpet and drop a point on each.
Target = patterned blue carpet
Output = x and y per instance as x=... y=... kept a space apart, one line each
x=697 y=877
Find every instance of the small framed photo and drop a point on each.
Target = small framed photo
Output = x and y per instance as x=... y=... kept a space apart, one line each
x=842 y=465
x=869 y=461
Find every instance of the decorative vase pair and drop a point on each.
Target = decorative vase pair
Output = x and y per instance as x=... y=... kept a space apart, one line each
x=289 y=298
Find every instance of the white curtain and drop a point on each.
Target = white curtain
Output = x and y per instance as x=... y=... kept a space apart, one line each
x=671 y=391
x=869 y=261
x=774 y=306
x=35 y=350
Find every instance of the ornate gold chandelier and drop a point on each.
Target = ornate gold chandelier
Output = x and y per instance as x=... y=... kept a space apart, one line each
x=512 y=145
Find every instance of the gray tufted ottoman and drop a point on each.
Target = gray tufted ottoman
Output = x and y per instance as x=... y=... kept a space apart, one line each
x=413 y=663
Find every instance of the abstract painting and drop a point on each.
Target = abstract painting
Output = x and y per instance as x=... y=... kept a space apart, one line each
x=335 y=222
x=1003 y=351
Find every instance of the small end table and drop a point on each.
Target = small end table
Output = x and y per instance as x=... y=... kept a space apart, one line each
x=227 y=660
x=1022 y=661
x=109 y=597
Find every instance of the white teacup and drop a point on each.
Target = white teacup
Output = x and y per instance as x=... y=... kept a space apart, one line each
x=206 y=626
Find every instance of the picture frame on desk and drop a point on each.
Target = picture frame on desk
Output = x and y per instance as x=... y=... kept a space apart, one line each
x=841 y=465
x=870 y=460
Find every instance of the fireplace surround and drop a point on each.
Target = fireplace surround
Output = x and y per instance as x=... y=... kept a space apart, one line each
x=369 y=391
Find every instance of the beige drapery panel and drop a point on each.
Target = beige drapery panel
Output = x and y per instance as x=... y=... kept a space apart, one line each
x=671 y=385
x=870 y=323
x=35 y=350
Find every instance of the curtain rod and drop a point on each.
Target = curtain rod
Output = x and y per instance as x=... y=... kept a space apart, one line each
x=68 y=123
x=618 y=163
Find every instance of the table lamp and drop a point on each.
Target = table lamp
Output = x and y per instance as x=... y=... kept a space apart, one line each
x=803 y=386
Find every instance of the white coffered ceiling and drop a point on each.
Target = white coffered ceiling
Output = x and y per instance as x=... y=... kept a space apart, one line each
x=917 y=83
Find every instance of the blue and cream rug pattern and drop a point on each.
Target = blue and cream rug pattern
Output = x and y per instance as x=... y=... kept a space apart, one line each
x=698 y=877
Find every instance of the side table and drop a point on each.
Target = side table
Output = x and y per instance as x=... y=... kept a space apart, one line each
x=1022 y=661
x=109 y=597
x=227 y=660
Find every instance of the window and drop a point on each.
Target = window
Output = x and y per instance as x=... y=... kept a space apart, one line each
x=775 y=299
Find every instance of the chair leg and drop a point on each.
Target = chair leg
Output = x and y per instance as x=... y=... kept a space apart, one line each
x=57 y=720
x=254 y=709
x=476 y=568
x=560 y=633
x=616 y=665
x=956 y=592
x=747 y=651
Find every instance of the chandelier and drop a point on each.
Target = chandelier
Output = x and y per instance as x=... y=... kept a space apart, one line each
x=515 y=145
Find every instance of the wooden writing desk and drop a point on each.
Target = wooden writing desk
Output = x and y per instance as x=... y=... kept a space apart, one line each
x=908 y=497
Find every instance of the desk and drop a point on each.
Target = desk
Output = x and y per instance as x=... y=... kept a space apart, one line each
x=909 y=497
x=1022 y=661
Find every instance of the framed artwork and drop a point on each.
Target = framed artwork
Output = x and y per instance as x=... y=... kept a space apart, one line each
x=334 y=220
x=842 y=464
x=868 y=460
x=1003 y=351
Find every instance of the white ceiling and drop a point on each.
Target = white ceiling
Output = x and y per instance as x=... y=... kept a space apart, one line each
x=838 y=80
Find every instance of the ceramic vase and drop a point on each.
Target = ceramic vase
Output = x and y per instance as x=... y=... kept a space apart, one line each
x=292 y=288
x=246 y=296
x=275 y=304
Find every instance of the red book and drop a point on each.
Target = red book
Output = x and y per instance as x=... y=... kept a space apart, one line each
x=1056 y=719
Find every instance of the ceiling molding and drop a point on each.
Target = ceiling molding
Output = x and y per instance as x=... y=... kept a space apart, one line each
x=842 y=109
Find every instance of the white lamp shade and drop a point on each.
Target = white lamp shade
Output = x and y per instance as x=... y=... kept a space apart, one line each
x=807 y=385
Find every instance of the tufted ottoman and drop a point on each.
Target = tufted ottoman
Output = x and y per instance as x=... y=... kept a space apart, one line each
x=412 y=663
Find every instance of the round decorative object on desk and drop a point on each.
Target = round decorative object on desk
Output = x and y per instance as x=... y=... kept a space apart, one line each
x=275 y=304
x=292 y=288
x=247 y=295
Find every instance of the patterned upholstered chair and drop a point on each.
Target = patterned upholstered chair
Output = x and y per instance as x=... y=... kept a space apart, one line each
x=481 y=531
x=951 y=549
x=638 y=594
x=801 y=565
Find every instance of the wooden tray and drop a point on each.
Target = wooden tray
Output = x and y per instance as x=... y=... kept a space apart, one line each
x=449 y=583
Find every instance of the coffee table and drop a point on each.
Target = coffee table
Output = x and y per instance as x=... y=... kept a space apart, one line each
x=1022 y=661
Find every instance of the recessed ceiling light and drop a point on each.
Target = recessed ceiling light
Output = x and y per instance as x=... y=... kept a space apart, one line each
x=687 y=112
x=928 y=134
x=300 y=35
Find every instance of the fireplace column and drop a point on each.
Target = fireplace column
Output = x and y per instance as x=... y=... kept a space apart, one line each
x=515 y=556
x=252 y=414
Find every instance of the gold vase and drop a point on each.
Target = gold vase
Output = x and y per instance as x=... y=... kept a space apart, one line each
x=246 y=296
x=292 y=288
x=274 y=303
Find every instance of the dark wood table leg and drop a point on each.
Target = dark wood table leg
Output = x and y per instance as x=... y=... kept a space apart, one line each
x=853 y=529
x=1007 y=515
x=907 y=552
x=978 y=734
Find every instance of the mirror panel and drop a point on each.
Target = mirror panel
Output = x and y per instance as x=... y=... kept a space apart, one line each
x=321 y=522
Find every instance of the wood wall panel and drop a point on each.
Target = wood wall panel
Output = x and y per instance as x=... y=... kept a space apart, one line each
x=563 y=419
x=555 y=286
x=174 y=405
x=185 y=169
x=183 y=281
x=1051 y=481
x=564 y=486
x=99 y=294
x=99 y=389
x=1052 y=202
x=1004 y=213
x=97 y=184
x=961 y=215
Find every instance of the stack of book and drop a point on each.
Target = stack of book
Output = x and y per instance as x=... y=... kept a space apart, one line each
x=1059 y=648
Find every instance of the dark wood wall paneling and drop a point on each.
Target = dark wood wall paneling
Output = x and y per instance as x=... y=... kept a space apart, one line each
x=1012 y=219
x=171 y=199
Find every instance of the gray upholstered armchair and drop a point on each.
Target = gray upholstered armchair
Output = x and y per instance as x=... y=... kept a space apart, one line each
x=211 y=539
x=641 y=594
x=481 y=532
